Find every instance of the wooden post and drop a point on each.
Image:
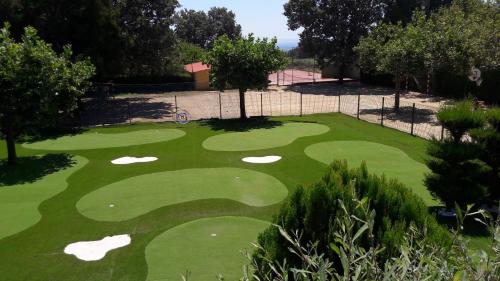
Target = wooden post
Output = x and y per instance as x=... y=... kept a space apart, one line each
x=442 y=132
x=412 y=119
x=339 y=103
x=382 y=119
x=220 y=106
x=278 y=78
x=359 y=101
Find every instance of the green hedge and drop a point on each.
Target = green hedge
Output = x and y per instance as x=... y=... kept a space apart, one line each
x=312 y=211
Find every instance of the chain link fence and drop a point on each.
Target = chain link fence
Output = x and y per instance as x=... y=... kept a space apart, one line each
x=413 y=118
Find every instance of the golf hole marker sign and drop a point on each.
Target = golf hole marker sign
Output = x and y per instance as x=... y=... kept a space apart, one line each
x=475 y=76
x=182 y=117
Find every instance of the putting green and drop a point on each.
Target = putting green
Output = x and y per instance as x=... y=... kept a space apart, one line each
x=136 y=196
x=193 y=246
x=258 y=139
x=97 y=140
x=19 y=203
x=381 y=159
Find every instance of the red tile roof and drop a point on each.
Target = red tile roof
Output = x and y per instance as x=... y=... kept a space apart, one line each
x=196 y=67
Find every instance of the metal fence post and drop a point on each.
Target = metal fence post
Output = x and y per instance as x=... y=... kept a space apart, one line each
x=277 y=78
x=412 y=119
x=220 y=106
x=382 y=116
x=339 y=103
x=175 y=100
x=128 y=112
x=261 y=106
x=300 y=104
x=359 y=100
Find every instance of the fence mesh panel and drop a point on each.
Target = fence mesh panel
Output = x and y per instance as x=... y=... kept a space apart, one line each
x=375 y=107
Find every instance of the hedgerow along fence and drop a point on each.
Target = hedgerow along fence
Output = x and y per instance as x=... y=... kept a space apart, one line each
x=412 y=118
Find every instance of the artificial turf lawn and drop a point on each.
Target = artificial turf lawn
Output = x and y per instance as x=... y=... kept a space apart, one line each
x=19 y=203
x=137 y=196
x=380 y=159
x=257 y=139
x=99 y=140
x=192 y=246
x=36 y=253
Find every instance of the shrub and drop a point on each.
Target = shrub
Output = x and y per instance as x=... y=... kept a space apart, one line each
x=314 y=212
x=488 y=141
x=457 y=174
x=460 y=118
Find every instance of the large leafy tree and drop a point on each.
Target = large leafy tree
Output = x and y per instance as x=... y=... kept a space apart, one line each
x=244 y=64
x=331 y=28
x=202 y=29
x=122 y=37
x=38 y=86
x=392 y=49
x=146 y=27
x=88 y=25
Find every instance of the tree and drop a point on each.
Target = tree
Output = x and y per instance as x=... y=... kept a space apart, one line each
x=38 y=87
x=146 y=27
x=189 y=53
x=331 y=28
x=488 y=139
x=244 y=64
x=90 y=26
x=203 y=29
x=121 y=37
x=193 y=27
x=316 y=214
x=457 y=173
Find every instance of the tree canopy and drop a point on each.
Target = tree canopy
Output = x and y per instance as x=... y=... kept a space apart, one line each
x=38 y=87
x=244 y=64
x=122 y=37
x=331 y=28
x=202 y=29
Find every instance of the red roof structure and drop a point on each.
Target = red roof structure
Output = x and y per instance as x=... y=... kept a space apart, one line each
x=196 y=67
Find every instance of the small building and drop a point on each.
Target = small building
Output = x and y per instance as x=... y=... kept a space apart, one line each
x=201 y=75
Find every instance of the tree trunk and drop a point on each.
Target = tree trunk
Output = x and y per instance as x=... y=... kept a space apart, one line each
x=243 y=112
x=398 y=93
x=341 y=73
x=11 y=147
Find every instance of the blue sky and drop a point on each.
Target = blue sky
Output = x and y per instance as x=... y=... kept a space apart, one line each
x=264 y=18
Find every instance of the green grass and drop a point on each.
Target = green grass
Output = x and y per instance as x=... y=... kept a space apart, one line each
x=19 y=203
x=192 y=246
x=137 y=196
x=257 y=139
x=36 y=253
x=380 y=159
x=98 y=140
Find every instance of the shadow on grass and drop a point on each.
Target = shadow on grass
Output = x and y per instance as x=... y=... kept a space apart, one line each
x=238 y=125
x=33 y=168
x=52 y=134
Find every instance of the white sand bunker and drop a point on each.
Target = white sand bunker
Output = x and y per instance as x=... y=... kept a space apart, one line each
x=97 y=250
x=262 y=160
x=132 y=160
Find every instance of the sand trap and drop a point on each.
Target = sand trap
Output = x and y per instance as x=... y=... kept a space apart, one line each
x=132 y=160
x=262 y=160
x=97 y=250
